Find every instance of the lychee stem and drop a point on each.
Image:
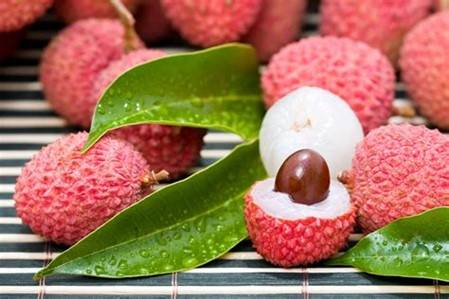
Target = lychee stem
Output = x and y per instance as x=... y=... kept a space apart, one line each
x=126 y=18
x=404 y=109
x=154 y=178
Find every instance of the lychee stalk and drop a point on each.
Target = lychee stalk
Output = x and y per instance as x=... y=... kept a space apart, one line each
x=154 y=178
x=127 y=20
x=404 y=109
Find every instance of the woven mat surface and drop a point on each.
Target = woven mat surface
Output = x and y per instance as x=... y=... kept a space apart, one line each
x=27 y=123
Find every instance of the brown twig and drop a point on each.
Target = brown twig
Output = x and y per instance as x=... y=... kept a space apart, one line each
x=127 y=20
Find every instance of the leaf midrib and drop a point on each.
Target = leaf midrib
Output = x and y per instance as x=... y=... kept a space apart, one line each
x=209 y=211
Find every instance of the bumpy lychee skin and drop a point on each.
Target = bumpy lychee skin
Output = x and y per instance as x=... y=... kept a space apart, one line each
x=151 y=23
x=73 y=60
x=207 y=23
x=380 y=23
x=63 y=195
x=15 y=15
x=397 y=171
x=424 y=64
x=289 y=241
x=74 y=10
x=359 y=74
x=278 y=24
x=174 y=149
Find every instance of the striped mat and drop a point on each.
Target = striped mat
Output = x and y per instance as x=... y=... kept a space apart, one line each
x=27 y=123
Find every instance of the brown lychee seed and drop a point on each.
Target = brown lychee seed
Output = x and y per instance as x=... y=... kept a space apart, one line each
x=304 y=176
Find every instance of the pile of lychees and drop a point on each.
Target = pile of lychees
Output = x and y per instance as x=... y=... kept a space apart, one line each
x=333 y=161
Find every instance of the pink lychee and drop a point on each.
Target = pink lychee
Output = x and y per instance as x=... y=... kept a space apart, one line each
x=73 y=10
x=359 y=74
x=14 y=14
x=151 y=23
x=72 y=62
x=207 y=23
x=424 y=66
x=381 y=24
x=397 y=171
x=278 y=24
x=63 y=194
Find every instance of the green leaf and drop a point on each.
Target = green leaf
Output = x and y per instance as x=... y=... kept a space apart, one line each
x=176 y=228
x=416 y=246
x=216 y=88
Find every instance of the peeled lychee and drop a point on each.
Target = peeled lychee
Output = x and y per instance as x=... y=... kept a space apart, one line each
x=424 y=66
x=9 y=42
x=380 y=23
x=397 y=171
x=313 y=118
x=74 y=10
x=278 y=24
x=16 y=14
x=72 y=62
x=151 y=23
x=289 y=230
x=360 y=75
x=63 y=194
x=207 y=23
x=170 y=148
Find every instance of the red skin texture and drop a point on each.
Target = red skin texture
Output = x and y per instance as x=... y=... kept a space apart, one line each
x=9 y=42
x=278 y=24
x=397 y=171
x=174 y=149
x=211 y=22
x=424 y=64
x=14 y=14
x=359 y=74
x=73 y=10
x=380 y=23
x=63 y=194
x=151 y=23
x=72 y=62
x=289 y=243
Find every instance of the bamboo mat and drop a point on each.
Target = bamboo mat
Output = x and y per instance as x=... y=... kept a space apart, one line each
x=27 y=123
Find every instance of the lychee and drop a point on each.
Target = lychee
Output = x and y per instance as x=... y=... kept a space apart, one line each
x=74 y=10
x=313 y=118
x=63 y=194
x=170 y=148
x=359 y=74
x=381 y=24
x=9 y=42
x=151 y=23
x=278 y=24
x=307 y=221
x=207 y=23
x=72 y=62
x=15 y=14
x=397 y=171
x=424 y=66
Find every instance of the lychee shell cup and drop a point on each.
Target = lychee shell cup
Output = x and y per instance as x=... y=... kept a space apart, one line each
x=303 y=240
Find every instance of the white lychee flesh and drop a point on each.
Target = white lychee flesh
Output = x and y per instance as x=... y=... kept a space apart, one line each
x=312 y=118
x=280 y=206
